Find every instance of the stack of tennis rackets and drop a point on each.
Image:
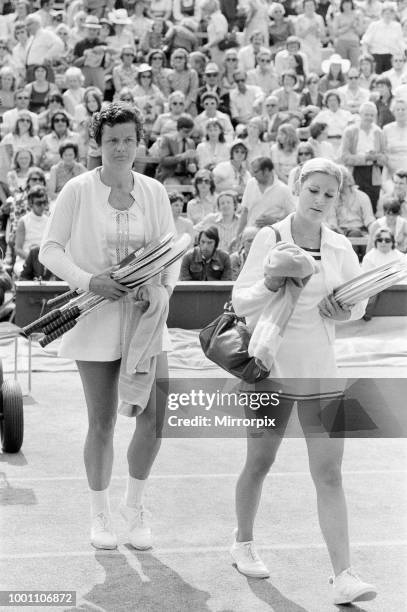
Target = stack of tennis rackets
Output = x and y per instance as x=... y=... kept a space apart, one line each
x=133 y=271
x=371 y=283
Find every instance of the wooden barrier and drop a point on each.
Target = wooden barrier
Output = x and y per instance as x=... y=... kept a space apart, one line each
x=192 y=305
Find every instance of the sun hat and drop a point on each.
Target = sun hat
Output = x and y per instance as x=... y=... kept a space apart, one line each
x=92 y=22
x=211 y=68
x=144 y=68
x=335 y=58
x=119 y=17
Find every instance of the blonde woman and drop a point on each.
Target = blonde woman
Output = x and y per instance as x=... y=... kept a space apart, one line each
x=307 y=348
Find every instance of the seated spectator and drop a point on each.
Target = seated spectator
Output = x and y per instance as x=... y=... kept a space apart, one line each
x=283 y=60
x=156 y=59
x=183 y=78
x=74 y=92
x=279 y=28
x=226 y=220
x=182 y=225
x=395 y=139
x=178 y=158
x=398 y=71
x=247 y=55
x=336 y=118
x=264 y=74
x=197 y=61
x=17 y=177
x=53 y=103
x=311 y=96
x=384 y=102
x=363 y=150
x=272 y=118
x=353 y=214
x=213 y=149
x=21 y=99
x=319 y=140
x=392 y=221
x=210 y=102
x=34 y=270
x=64 y=170
x=167 y=122
x=367 y=71
x=204 y=201
x=211 y=85
x=288 y=99
x=384 y=38
x=39 y=88
x=22 y=137
x=227 y=81
x=19 y=52
x=397 y=189
x=310 y=29
x=8 y=82
x=383 y=251
x=284 y=151
x=122 y=29
x=206 y=262
x=305 y=152
x=31 y=226
x=154 y=31
x=145 y=92
x=246 y=100
x=90 y=55
x=233 y=174
x=44 y=44
x=352 y=94
x=266 y=199
x=255 y=145
x=59 y=134
x=238 y=258
x=347 y=27
x=334 y=69
x=125 y=73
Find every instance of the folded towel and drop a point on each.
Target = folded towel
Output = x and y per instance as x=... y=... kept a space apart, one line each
x=297 y=266
x=142 y=340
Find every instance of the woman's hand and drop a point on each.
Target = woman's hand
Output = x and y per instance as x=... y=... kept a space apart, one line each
x=329 y=308
x=274 y=283
x=102 y=284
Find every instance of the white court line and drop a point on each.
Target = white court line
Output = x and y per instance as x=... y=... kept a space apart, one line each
x=192 y=476
x=188 y=550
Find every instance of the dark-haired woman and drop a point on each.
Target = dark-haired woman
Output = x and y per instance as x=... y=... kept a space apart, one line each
x=393 y=221
x=64 y=170
x=311 y=96
x=213 y=149
x=126 y=211
x=347 y=29
x=50 y=143
x=384 y=102
x=204 y=201
x=39 y=89
x=53 y=103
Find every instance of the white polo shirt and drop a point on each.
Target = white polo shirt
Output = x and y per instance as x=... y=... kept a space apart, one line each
x=275 y=200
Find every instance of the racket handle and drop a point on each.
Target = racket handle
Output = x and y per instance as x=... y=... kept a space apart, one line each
x=60 y=299
x=38 y=323
x=57 y=333
x=68 y=315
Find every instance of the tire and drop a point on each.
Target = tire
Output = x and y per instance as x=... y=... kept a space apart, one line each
x=12 y=430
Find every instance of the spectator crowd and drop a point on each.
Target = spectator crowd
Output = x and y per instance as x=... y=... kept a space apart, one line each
x=235 y=95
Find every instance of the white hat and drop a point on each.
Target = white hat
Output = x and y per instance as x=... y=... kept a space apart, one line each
x=335 y=59
x=92 y=22
x=119 y=17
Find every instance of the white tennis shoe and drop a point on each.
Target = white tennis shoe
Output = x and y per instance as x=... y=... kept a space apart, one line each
x=348 y=587
x=247 y=560
x=101 y=532
x=137 y=523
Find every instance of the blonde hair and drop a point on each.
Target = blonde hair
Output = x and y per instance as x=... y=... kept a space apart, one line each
x=322 y=165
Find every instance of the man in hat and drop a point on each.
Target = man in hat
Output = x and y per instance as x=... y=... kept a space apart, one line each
x=211 y=79
x=43 y=46
x=210 y=102
x=264 y=75
x=89 y=54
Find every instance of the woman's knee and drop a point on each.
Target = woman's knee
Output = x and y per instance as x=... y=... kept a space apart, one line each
x=259 y=464
x=102 y=427
x=328 y=475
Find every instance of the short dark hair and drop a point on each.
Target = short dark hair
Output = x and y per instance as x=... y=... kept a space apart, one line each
x=36 y=192
x=68 y=145
x=211 y=233
x=382 y=80
x=343 y=2
x=115 y=114
x=391 y=204
x=59 y=113
x=264 y=162
x=203 y=173
x=316 y=128
x=54 y=97
x=185 y=121
x=401 y=173
x=214 y=121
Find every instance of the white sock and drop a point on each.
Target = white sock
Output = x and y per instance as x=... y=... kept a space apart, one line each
x=99 y=502
x=134 y=491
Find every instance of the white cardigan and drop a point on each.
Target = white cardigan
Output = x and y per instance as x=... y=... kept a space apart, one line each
x=339 y=264
x=74 y=246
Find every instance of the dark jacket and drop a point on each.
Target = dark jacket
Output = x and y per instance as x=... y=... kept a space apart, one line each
x=170 y=162
x=195 y=268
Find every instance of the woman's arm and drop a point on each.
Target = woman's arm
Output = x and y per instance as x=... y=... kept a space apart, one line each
x=52 y=183
x=20 y=238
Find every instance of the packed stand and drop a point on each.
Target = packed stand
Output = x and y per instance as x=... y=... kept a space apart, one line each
x=235 y=96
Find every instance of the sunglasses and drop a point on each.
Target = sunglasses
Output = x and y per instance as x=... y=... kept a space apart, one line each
x=387 y=240
x=390 y=212
x=353 y=78
x=211 y=74
x=271 y=105
x=231 y=59
x=265 y=61
x=239 y=150
x=202 y=180
x=60 y=121
x=25 y=120
x=145 y=76
x=240 y=80
x=301 y=153
x=126 y=99
x=40 y=202
x=128 y=54
x=156 y=57
x=181 y=57
x=36 y=178
x=22 y=98
x=177 y=103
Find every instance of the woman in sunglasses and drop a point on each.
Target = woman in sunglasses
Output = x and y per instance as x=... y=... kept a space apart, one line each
x=393 y=221
x=204 y=201
x=22 y=136
x=127 y=211
x=51 y=142
x=125 y=73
